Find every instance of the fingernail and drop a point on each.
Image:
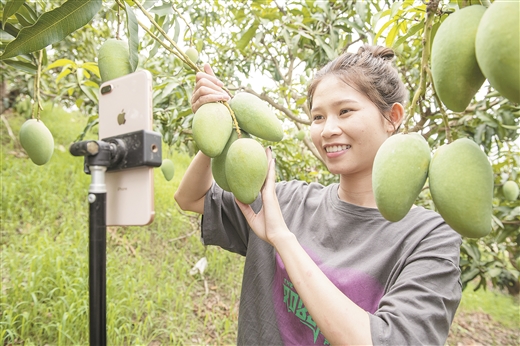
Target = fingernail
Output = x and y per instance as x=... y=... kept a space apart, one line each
x=270 y=148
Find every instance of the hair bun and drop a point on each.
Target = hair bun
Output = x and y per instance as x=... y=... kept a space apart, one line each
x=377 y=51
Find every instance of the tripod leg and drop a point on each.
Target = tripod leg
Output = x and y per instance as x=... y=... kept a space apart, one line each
x=97 y=256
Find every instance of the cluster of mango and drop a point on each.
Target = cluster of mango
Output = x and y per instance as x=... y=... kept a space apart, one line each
x=474 y=44
x=239 y=163
x=460 y=181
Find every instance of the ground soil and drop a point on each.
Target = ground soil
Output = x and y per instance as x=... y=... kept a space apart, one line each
x=479 y=329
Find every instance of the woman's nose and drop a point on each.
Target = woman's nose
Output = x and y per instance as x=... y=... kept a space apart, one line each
x=330 y=128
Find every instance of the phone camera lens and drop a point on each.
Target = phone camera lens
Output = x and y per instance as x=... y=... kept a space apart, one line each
x=106 y=89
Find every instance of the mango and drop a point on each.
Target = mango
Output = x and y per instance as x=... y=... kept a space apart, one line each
x=212 y=126
x=167 y=169
x=246 y=169
x=497 y=47
x=218 y=164
x=114 y=59
x=399 y=173
x=461 y=185
x=193 y=54
x=255 y=117
x=37 y=141
x=455 y=71
x=510 y=190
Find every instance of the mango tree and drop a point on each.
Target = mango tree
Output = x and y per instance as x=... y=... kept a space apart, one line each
x=271 y=50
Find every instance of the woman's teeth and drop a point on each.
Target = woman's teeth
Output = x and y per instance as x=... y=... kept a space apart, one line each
x=335 y=148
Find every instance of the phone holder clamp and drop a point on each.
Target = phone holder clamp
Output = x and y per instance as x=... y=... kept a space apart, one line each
x=129 y=150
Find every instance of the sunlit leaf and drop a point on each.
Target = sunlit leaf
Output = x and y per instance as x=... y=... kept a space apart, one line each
x=61 y=63
x=64 y=73
x=92 y=67
x=248 y=35
x=52 y=26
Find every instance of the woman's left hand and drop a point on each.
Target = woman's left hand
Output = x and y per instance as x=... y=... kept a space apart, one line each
x=268 y=224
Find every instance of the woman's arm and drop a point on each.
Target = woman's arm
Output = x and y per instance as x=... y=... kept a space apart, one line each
x=340 y=320
x=198 y=178
x=195 y=184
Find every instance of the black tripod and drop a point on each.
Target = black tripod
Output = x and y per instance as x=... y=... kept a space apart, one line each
x=140 y=148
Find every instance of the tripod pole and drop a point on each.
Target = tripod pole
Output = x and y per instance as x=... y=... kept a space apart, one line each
x=97 y=256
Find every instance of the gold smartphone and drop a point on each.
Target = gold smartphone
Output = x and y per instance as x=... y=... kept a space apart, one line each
x=125 y=105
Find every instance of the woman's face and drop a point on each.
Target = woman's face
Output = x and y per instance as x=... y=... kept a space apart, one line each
x=347 y=128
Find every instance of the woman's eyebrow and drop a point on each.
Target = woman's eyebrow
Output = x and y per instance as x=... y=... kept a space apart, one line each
x=334 y=104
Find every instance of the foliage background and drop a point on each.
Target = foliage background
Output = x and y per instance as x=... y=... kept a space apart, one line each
x=269 y=48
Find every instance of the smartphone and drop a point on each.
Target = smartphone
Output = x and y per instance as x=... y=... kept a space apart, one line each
x=125 y=105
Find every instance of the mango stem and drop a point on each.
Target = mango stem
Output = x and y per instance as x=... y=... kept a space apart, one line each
x=235 y=122
x=431 y=9
x=179 y=53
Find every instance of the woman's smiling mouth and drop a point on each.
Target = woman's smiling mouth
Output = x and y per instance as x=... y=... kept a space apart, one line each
x=336 y=148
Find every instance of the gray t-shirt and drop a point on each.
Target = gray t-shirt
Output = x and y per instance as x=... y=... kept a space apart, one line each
x=405 y=274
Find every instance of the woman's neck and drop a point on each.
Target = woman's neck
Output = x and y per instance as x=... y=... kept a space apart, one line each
x=357 y=190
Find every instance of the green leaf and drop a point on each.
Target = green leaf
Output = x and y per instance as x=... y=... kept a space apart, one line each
x=10 y=8
x=61 y=63
x=133 y=35
x=410 y=32
x=248 y=36
x=20 y=65
x=391 y=35
x=469 y=275
x=328 y=50
x=26 y=15
x=65 y=72
x=92 y=67
x=11 y=29
x=390 y=22
x=52 y=26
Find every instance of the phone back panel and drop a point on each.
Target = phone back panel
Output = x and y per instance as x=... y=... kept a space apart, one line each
x=127 y=107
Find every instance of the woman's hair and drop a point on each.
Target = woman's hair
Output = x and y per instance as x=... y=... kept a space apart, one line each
x=369 y=71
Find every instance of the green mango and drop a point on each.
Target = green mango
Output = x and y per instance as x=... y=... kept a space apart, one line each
x=218 y=164
x=399 y=172
x=193 y=54
x=212 y=126
x=254 y=116
x=510 y=190
x=455 y=71
x=461 y=185
x=167 y=169
x=37 y=141
x=497 y=47
x=300 y=135
x=114 y=59
x=246 y=169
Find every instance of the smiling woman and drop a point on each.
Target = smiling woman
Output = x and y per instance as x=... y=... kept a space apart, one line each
x=322 y=264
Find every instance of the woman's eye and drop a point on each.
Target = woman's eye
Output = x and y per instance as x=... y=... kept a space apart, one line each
x=317 y=117
x=344 y=111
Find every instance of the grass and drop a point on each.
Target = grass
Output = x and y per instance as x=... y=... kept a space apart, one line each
x=151 y=296
x=504 y=309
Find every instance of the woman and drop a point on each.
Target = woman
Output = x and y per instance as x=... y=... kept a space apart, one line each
x=322 y=265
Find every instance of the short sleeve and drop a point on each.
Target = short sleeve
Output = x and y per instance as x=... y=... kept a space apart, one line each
x=223 y=223
x=420 y=305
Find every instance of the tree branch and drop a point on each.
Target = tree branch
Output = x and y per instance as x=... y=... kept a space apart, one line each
x=431 y=9
x=281 y=108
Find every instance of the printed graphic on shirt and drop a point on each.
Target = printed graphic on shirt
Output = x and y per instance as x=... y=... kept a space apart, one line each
x=296 y=324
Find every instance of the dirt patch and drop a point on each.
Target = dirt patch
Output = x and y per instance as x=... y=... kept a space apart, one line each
x=479 y=329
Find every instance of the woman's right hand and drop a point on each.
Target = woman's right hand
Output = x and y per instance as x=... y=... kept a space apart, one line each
x=208 y=88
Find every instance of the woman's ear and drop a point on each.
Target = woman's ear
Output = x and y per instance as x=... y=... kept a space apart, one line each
x=396 y=117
